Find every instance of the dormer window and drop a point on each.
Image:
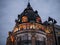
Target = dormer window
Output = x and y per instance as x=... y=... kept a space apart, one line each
x=16 y=29
x=38 y=19
x=24 y=19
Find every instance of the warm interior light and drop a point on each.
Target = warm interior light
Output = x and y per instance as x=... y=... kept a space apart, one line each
x=21 y=26
x=43 y=28
x=24 y=19
x=47 y=30
x=28 y=26
x=15 y=29
x=37 y=26
x=12 y=38
x=38 y=19
x=32 y=26
x=40 y=26
x=24 y=26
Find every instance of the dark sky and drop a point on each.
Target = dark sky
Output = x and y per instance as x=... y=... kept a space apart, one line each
x=9 y=10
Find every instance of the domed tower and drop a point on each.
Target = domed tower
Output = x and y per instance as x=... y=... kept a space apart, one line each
x=28 y=30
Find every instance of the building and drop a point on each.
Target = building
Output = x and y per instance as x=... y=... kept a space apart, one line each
x=29 y=30
x=57 y=30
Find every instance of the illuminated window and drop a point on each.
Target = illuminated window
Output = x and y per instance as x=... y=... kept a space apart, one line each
x=24 y=19
x=15 y=29
x=40 y=26
x=38 y=19
x=24 y=26
x=21 y=26
x=32 y=26
x=37 y=26
x=47 y=30
x=28 y=25
x=12 y=38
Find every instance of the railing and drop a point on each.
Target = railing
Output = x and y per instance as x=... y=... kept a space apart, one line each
x=29 y=31
x=29 y=26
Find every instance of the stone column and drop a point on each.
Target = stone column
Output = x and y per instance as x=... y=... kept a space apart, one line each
x=33 y=40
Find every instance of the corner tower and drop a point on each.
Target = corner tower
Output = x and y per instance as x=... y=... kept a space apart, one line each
x=29 y=29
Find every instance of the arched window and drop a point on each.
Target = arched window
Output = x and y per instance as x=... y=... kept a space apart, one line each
x=15 y=29
x=38 y=19
x=24 y=40
x=24 y=19
x=21 y=26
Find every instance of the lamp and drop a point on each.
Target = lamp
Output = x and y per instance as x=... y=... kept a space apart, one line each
x=55 y=21
x=50 y=19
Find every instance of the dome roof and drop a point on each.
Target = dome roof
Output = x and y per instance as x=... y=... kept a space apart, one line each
x=30 y=13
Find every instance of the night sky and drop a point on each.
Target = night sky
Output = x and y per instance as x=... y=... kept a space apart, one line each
x=9 y=10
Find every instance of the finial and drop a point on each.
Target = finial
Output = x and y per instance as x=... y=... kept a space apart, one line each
x=28 y=3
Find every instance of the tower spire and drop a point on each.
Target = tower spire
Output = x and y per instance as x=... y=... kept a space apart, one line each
x=28 y=4
x=28 y=1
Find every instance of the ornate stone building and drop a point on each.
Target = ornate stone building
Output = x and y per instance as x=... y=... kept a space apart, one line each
x=29 y=30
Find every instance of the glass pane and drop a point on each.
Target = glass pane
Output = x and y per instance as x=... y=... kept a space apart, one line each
x=24 y=42
x=40 y=43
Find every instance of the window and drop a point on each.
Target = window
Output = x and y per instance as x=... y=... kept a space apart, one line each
x=38 y=19
x=21 y=26
x=28 y=25
x=24 y=26
x=15 y=29
x=24 y=19
x=37 y=26
x=24 y=40
x=40 y=42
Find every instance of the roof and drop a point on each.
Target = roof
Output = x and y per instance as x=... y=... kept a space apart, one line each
x=29 y=12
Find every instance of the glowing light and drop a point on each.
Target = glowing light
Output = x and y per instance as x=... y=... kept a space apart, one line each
x=24 y=26
x=28 y=25
x=15 y=29
x=24 y=19
x=47 y=30
x=21 y=26
x=43 y=28
x=38 y=19
x=12 y=38
x=32 y=26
